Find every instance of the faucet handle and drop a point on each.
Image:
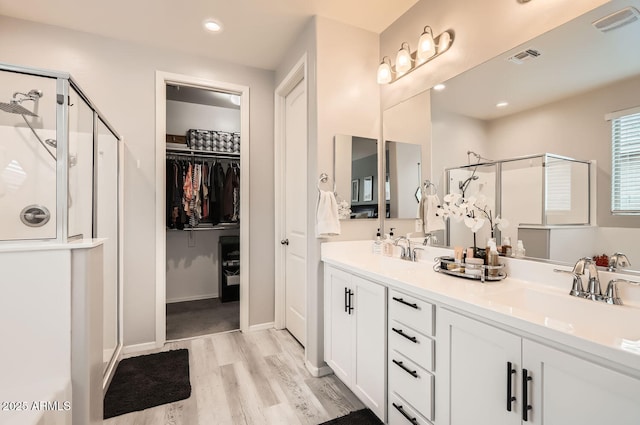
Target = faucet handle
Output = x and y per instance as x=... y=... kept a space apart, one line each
x=413 y=253
x=611 y=295
x=618 y=260
x=577 y=290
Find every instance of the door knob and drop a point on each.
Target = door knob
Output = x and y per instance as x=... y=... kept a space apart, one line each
x=284 y=242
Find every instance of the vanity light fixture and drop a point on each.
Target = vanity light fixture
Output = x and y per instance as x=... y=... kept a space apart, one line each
x=426 y=45
x=403 y=59
x=212 y=25
x=384 y=71
x=429 y=48
x=502 y=104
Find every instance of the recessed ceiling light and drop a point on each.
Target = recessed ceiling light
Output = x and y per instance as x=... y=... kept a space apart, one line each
x=502 y=104
x=439 y=87
x=212 y=25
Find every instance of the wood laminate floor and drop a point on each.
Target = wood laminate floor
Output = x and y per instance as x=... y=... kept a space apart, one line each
x=249 y=378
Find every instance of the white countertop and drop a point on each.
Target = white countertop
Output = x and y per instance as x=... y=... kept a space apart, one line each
x=21 y=246
x=532 y=299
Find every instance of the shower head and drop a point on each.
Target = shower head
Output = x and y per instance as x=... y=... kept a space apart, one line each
x=14 y=107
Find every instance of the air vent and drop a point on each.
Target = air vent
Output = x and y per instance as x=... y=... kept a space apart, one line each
x=617 y=19
x=524 y=55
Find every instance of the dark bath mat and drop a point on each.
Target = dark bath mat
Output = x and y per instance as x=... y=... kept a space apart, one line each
x=147 y=381
x=359 y=417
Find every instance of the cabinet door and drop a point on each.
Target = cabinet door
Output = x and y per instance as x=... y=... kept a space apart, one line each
x=472 y=381
x=371 y=325
x=338 y=324
x=568 y=390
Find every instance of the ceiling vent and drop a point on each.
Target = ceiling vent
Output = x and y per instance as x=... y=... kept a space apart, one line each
x=523 y=56
x=617 y=19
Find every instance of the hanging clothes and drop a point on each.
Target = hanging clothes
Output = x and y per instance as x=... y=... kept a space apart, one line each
x=230 y=194
x=215 y=196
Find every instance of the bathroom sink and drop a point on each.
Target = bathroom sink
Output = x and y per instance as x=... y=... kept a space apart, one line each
x=559 y=310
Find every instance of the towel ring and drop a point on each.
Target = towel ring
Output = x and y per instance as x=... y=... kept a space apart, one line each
x=324 y=178
x=427 y=184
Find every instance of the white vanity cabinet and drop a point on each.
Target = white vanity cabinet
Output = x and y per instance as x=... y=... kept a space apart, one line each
x=411 y=361
x=487 y=368
x=355 y=335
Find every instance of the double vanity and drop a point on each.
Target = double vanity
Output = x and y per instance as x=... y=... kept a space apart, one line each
x=421 y=347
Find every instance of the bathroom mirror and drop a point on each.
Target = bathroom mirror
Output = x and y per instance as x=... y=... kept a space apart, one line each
x=550 y=94
x=403 y=164
x=406 y=131
x=356 y=174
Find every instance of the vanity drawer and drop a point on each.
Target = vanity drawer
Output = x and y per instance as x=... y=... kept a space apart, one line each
x=402 y=413
x=412 y=383
x=412 y=344
x=411 y=311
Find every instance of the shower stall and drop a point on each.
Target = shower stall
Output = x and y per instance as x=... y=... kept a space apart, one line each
x=60 y=187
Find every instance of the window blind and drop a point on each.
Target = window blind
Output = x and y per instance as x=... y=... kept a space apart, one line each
x=558 y=182
x=625 y=168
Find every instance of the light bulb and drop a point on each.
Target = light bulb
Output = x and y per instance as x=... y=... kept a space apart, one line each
x=212 y=25
x=384 y=71
x=403 y=59
x=426 y=45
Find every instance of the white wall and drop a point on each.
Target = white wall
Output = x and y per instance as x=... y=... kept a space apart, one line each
x=120 y=78
x=183 y=116
x=482 y=29
x=343 y=98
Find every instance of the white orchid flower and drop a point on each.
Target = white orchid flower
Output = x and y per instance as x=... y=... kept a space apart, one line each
x=478 y=225
x=481 y=201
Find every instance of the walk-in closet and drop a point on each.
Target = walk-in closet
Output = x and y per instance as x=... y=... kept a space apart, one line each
x=202 y=212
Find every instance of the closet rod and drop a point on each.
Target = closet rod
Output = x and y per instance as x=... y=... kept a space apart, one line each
x=202 y=154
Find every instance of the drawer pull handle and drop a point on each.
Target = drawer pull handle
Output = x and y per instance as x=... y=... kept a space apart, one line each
x=525 y=395
x=401 y=301
x=510 y=397
x=410 y=338
x=413 y=373
x=405 y=414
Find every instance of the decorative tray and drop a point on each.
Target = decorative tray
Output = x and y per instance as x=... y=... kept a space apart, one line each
x=481 y=272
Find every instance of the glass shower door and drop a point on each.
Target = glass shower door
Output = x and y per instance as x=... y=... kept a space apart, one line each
x=27 y=157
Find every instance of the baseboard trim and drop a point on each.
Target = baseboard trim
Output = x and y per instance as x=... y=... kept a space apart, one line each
x=136 y=348
x=318 y=372
x=194 y=298
x=261 y=327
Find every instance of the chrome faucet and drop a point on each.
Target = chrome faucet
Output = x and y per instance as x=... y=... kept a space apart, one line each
x=429 y=239
x=406 y=250
x=414 y=256
x=618 y=260
x=577 y=290
x=611 y=295
x=594 y=291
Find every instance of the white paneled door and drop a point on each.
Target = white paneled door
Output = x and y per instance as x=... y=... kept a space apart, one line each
x=295 y=241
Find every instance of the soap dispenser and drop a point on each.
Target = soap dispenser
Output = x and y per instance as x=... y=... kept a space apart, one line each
x=520 y=251
x=377 y=244
x=388 y=244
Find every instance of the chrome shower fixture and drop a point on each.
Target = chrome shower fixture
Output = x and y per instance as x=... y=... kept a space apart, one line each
x=15 y=107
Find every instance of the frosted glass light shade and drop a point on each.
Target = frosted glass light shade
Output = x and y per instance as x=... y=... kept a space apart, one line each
x=384 y=71
x=426 y=45
x=403 y=59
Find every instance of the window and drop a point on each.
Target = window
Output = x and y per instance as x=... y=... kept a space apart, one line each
x=625 y=167
x=558 y=182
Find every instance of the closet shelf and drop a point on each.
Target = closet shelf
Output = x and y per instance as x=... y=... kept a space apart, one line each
x=202 y=153
x=221 y=226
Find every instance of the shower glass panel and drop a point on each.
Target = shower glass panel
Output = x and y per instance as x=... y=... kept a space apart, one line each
x=80 y=166
x=106 y=226
x=472 y=181
x=566 y=191
x=27 y=164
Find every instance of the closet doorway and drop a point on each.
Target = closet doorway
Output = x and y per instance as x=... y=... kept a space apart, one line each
x=203 y=155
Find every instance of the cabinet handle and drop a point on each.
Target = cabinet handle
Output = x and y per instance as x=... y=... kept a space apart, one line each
x=510 y=397
x=413 y=373
x=346 y=300
x=401 y=301
x=350 y=301
x=410 y=338
x=405 y=414
x=525 y=395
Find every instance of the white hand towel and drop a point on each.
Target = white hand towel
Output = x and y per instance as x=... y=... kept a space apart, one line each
x=327 y=223
x=432 y=222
